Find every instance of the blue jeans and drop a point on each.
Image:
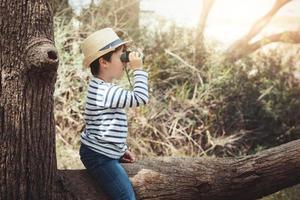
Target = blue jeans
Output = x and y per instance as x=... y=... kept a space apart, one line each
x=109 y=174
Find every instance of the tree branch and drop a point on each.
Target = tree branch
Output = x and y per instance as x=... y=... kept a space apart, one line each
x=242 y=43
x=246 y=177
x=286 y=37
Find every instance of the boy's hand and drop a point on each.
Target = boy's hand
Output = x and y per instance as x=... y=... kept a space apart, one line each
x=135 y=60
x=128 y=157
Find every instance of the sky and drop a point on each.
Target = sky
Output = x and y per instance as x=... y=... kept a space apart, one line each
x=228 y=19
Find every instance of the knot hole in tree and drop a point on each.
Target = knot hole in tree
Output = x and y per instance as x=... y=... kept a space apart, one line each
x=52 y=55
x=41 y=56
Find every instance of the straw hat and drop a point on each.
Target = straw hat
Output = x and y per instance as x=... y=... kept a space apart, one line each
x=99 y=43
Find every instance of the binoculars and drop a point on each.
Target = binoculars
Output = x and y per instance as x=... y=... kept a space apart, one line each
x=125 y=56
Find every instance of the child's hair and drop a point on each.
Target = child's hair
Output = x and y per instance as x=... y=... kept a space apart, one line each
x=95 y=65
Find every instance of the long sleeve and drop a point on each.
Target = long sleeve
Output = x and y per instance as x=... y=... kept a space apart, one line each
x=116 y=97
x=106 y=126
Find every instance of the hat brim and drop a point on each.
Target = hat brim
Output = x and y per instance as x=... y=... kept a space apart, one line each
x=89 y=59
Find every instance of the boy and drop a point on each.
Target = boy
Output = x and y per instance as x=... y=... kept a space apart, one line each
x=103 y=142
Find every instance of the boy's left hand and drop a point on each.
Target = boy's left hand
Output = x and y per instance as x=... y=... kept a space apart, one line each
x=128 y=157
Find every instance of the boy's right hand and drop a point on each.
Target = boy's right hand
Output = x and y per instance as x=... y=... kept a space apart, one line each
x=135 y=60
x=128 y=157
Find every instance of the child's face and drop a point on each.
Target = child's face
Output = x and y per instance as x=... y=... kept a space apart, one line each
x=116 y=67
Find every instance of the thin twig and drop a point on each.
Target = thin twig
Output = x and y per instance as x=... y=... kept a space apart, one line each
x=185 y=63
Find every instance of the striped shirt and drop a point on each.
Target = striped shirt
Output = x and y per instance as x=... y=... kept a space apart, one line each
x=105 y=117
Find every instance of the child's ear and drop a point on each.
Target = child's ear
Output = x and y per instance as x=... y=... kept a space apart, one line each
x=102 y=62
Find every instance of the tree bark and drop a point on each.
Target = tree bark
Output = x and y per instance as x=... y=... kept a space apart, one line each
x=247 y=177
x=28 y=67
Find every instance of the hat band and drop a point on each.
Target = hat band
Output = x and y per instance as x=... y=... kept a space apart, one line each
x=110 y=45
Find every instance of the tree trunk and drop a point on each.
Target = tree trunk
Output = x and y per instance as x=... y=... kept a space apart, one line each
x=200 y=51
x=28 y=72
x=206 y=7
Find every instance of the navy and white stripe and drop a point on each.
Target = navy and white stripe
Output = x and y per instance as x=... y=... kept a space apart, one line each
x=105 y=117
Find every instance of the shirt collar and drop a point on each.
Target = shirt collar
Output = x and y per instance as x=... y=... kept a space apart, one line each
x=99 y=80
